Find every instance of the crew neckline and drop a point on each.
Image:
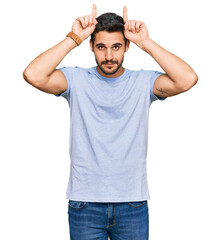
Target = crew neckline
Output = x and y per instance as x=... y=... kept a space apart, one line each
x=108 y=79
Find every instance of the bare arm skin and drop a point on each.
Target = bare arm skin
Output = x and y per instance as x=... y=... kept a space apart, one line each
x=42 y=73
x=179 y=76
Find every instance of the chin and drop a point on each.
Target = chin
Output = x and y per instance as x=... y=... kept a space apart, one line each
x=110 y=71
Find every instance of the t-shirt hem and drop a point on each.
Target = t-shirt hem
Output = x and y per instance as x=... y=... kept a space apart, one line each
x=110 y=200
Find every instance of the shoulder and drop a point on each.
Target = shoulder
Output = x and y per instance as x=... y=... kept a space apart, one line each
x=150 y=73
x=75 y=71
x=143 y=72
x=146 y=75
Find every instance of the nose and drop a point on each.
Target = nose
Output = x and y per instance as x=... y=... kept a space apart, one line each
x=109 y=55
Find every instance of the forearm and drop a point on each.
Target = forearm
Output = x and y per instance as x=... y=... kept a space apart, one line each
x=43 y=65
x=178 y=70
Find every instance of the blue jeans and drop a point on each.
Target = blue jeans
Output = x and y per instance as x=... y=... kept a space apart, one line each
x=120 y=220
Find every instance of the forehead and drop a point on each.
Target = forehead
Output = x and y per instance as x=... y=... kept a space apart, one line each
x=108 y=38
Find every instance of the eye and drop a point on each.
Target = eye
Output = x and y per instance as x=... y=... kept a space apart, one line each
x=116 y=47
x=100 y=47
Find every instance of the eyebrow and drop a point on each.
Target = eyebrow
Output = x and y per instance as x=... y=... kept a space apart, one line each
x=115 y=44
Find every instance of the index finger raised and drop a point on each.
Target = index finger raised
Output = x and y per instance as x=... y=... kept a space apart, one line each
x=94 y=11
x=125 y=17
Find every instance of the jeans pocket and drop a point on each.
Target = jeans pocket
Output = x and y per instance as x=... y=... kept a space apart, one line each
x=76 y=204
x=137 y=204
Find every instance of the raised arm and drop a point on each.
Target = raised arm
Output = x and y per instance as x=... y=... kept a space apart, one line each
x=179 y=76
x=42 y=73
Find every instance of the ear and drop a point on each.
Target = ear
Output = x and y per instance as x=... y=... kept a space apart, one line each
x=91 y=45
x=127 y=45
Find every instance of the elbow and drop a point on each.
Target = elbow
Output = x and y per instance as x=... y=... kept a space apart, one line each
x=193 y=79
x=189 y=82
x=33 y=79
x=27 y=76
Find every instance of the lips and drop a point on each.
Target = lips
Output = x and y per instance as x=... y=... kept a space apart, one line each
x=108 y=63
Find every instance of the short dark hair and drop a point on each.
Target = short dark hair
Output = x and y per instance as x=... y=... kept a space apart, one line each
x=109 y=22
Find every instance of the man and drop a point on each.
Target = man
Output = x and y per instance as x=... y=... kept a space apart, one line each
x=109 y=109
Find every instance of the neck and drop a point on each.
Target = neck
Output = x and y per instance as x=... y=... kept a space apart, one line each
x=117 y=74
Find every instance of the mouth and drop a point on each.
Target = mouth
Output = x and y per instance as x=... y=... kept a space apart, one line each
x=109 y=64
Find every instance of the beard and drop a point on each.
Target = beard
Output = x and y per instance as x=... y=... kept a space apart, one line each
x=106 y=62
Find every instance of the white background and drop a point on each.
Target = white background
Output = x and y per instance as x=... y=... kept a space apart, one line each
x=183 y=162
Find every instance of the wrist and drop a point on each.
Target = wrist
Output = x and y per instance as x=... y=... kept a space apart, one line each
x=77 y=39
x=145 y=44
x=71 y=44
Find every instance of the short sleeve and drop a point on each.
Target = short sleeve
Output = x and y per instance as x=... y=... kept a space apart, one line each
x=154 y=75
x=68 y=72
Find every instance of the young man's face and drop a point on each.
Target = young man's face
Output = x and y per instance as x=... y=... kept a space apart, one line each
x=109 y=49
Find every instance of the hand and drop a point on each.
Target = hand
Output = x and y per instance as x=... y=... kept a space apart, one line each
x=135 y=31
x=84 y=26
